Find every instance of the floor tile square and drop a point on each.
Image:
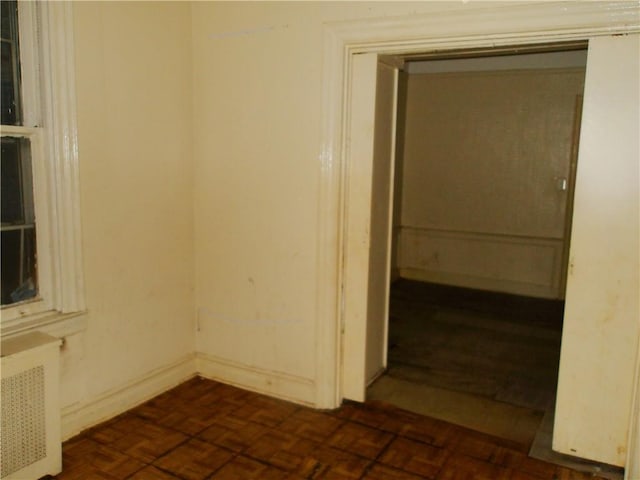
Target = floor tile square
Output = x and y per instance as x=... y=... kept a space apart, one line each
x=360 y=440
x=194 y=460
x=138 y=438
x=315 y=426
x=270 y=412
x=233 y=433
x=285 y=451
x=243 y=468
x=87 y=455
x=381 y=472
x=152 y=473
x=332 y=463
x=415 y=457
x=462 y=467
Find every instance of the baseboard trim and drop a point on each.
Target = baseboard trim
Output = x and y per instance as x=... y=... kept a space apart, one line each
x=80 y=416
x=276 y=384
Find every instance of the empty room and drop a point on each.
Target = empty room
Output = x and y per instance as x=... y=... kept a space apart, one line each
x=189 y=273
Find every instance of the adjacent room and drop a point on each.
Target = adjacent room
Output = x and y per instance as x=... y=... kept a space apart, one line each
x=485 y=168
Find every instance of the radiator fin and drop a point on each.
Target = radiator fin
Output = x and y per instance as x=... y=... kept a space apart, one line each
x=23 y=420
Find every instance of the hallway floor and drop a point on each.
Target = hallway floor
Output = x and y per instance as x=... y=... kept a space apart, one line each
x=482 y=360
x=203 y=429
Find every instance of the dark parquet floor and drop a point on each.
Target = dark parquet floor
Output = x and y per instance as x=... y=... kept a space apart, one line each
x=203 y=429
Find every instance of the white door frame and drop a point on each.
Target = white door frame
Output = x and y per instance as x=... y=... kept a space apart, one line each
x=455 y=26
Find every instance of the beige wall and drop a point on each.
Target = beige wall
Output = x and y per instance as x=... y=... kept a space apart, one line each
x=257 y=121
x=483 y=152
x=133 y=74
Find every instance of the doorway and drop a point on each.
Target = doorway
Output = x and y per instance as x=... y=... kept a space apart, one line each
x=485 y=163
x=485 y=166
x=586 y=306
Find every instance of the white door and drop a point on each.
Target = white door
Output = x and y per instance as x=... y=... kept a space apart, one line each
x=601 y=328
x=371 y=140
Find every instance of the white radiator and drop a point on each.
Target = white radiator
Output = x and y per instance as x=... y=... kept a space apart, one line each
x=30 y=445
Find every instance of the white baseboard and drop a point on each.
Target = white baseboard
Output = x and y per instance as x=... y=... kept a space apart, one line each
x=276 y=384
x=78 y=417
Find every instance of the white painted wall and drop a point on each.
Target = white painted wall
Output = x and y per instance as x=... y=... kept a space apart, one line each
x=133 y=75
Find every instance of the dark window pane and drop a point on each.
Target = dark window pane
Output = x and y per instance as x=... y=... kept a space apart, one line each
x=10 y=104
x=10 y=264
x=5 y=17
x=29 y=258
x=12 y=194
x=18 y=265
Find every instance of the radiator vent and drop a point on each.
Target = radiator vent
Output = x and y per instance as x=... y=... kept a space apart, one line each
x=30 y=414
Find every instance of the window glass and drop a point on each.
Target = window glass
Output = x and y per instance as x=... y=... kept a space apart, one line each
x=10 y=72
x=19 y=279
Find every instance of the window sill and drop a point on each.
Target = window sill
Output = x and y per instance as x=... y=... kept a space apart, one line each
x=55 y=324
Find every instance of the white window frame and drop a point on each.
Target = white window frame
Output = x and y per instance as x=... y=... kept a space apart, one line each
x=49 y=122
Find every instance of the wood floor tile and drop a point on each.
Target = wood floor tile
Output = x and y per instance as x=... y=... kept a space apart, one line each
x=506 y=457
x=391 y=418
x=153 y=473
x=192 y=390
x=266 y=411
x=190 y=421
x=332 y=463
x=285 y=451
x=138 y=438
x=518 y=475
x=372 y=416
x=206 y=430
x=84 y=472
x=315 y=426
x=432 y=431
x=194 y=460
x=86 y=458
x=462 y=467
x=360 y=440
x=233 y=433
x=381 y=472
x=415 y=457
x=243 y=468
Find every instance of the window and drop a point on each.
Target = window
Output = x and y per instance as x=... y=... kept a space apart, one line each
x=42 y=282
x=19 y=273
